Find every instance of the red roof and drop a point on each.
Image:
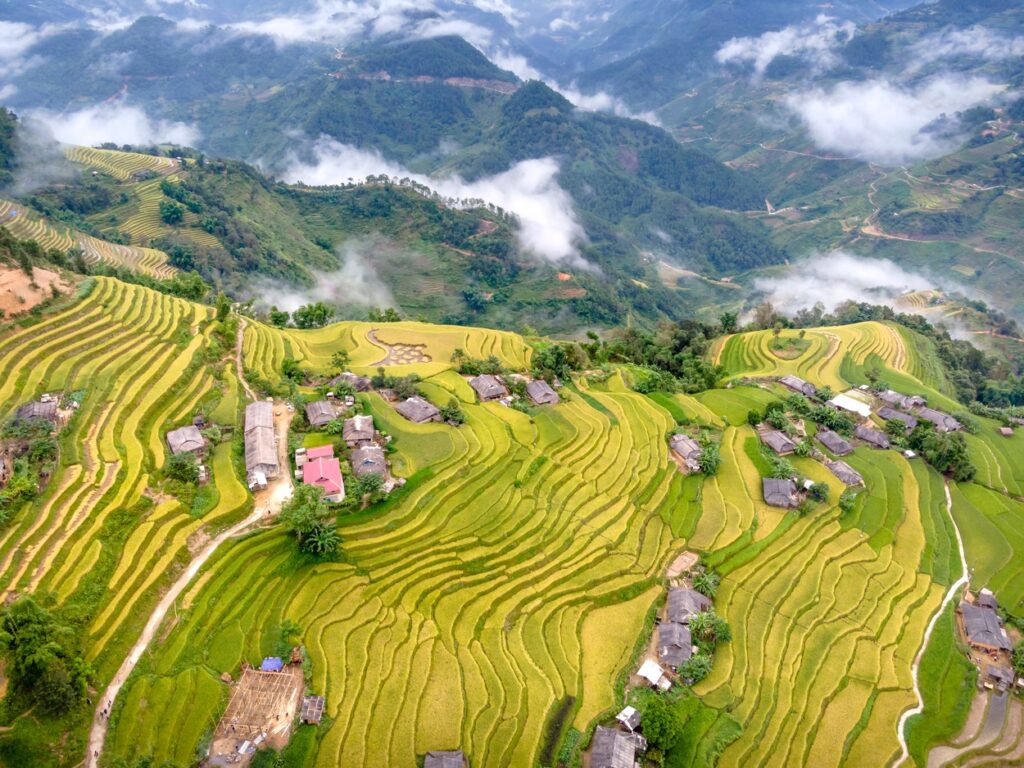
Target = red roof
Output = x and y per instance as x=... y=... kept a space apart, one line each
x=320 y=452
x=325 y=472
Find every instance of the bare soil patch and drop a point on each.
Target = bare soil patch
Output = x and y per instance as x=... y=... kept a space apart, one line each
x=17 y=294
x=263 y=707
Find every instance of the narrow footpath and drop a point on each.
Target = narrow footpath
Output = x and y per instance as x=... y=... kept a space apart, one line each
x=950 y=594
x=267 y=504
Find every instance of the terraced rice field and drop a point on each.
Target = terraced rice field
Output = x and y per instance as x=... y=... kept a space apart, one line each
x=142 y=220
x=459 y=616
x=749 y=354
x=266 y=347
x=30 y=226
x=469 y=607
x=120 y=165
x=828 y=619
x=93 y=539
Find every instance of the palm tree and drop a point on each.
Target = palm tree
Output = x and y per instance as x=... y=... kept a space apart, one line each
x=701 y=625
x=706 y=582
x=322 y=540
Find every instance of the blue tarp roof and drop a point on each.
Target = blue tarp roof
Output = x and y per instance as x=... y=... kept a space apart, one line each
x=272 y=664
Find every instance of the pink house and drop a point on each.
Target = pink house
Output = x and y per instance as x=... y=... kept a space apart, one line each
x=321 y=468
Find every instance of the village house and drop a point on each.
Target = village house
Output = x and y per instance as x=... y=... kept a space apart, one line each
x=873 y=437
x=630 y=718
x=187 y=440
x=312 y=710
x=358 y=431
x=39 y=409
x=541 y=393
x=675 y=646
x=847 y=402
x=683 y=603
x=688 y=450
x=834 y=442
x=488 y=387
x=847 y=474
x=779 y=492
x=943 y=421
x=983 y=628
x=261 y=460
x=798 y=385
x=418 y=410
x=615 y=749
x=899 y=400
x=320 y=413
x=891 y=414
x=778 y=442
x=369 y=460
x=322 y=469
x=986 y=599
x=654 y=674
x=358 y=383
x=445 y=759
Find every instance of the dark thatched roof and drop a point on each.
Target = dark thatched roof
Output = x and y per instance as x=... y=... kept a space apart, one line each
x=541 y=392
x=834 y=442
x=778 y=442
x=445 y=759
x=320 y=413
x=675 y=645
x=612 y=749
x=185 y=440
x=684 y=603
x=779 y=492
x=983 y=627
x=872 y=436
x=488 y=387
x=845 y=472
x=418 y=410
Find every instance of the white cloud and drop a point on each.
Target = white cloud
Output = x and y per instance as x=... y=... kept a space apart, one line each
x=8 y=90
x=336 y=21
x=977 y=42
x=548 y=227
x=17 y=39
x=119 y=123
x=438 y=27
x=832 y=278
x=355 y=283
x=601 y=101
x=884 y=122
x=813 y=41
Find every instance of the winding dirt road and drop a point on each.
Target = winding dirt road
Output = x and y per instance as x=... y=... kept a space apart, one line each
x=950 y=594
x=268 y=504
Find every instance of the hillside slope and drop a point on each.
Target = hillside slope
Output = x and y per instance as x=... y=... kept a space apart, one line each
x=470 y=607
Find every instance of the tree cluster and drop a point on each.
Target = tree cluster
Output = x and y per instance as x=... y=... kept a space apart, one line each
x=307 y=516
x=44 y=662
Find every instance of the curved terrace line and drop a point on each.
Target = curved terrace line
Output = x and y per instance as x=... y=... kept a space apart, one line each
x=950 y=594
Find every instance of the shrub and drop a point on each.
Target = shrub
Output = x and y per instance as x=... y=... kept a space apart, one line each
x=710 y=455
x=184 y=468
x=819 y=492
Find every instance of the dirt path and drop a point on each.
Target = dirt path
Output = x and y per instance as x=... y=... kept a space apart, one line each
x=267 y=504
x=239 y=368
x=950 y=594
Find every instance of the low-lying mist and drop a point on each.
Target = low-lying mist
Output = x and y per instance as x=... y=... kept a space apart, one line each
x=547 y=228
x=354 y=284
x=837 y=277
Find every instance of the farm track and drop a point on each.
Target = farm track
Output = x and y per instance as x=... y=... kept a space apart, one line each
x=269 y=504
x=946 y=600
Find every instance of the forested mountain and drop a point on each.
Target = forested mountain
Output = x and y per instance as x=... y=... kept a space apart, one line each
x=437 y=107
